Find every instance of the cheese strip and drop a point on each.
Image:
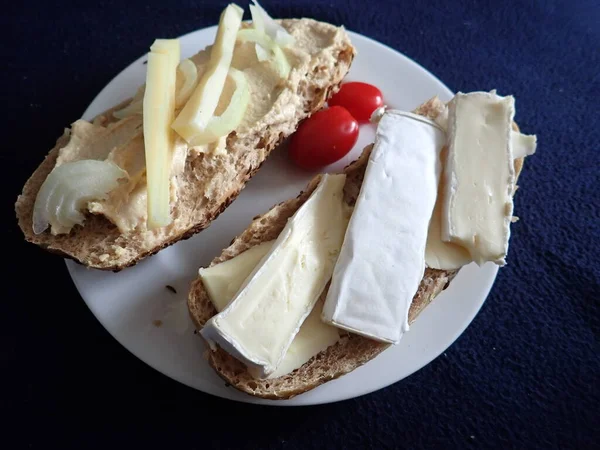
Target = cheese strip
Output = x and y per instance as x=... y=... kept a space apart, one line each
x=202 y=104
x=479 y=175
x=159 y=110
x=263 y=319
x=223 y=280
x=382 y=260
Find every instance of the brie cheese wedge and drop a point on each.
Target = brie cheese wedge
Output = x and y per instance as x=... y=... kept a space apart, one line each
x=479 y=175
x=382 y=260
x=259 y=324
x=447 y=255
x=223 y=280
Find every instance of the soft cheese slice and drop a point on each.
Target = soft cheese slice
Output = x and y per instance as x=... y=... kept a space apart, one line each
x=446 y=255
x=479 y=175
x=159 y=139
x=382 y=260
x=439 y=254
x=264 y=317
x=522 y=144
x=223 y=280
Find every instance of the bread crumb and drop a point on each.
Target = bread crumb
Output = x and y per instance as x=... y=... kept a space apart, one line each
x=171 y=288
x=514 y=219
x=157 y=323
x=119 y=251
x=104 y=257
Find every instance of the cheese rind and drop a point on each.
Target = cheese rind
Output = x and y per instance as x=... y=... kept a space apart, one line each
x=479 y=175
x=259 y=324
x=382 y=260
x=522 y=144
x=447 y=255
x=223 y=280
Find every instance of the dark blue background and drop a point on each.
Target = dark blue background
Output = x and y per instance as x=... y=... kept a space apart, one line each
x=525 y=374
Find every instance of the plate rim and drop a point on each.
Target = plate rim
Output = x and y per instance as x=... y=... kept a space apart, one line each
x=72 y=265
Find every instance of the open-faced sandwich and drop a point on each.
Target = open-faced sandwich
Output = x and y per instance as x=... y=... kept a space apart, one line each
x=160 y=166
x=324 y=282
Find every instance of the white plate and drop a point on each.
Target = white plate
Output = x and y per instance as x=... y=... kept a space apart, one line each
x=127 y=303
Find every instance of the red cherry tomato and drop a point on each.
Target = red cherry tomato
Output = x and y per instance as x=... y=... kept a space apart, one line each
x=323 y=138
x=360 y=99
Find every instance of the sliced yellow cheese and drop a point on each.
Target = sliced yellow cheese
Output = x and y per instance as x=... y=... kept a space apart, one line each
x=201 y=106
x=169 y=47
x=159 y=109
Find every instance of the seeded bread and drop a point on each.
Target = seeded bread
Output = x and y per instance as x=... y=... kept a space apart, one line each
x=352 y=350
x=209 y=183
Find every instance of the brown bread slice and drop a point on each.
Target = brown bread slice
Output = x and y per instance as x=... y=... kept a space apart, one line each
x=209 y=184
x=352 y=350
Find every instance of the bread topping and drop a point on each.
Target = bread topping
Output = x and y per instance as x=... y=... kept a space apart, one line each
x=260 y=323
x=197 y=113
x=382 y=260
x=273 y=101
x=443 y=255
x=223 y=280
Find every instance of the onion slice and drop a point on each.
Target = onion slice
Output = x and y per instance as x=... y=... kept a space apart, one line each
x=67 y=190
x=224 y=124
x=281 y=63
x=265 y=23
x=188 y=70
x=135 y=107
x=201 y=106
x=262 y=54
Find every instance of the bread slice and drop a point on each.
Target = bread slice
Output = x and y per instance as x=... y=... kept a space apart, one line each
x=352 y=350
x=209 y=182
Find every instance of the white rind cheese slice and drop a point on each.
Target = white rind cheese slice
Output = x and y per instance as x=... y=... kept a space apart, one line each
x=259 y=324
x=479 y=175
x=446 y=255
x=223 y=280
x=382 y=260
x=439 y=254
x=523 y=144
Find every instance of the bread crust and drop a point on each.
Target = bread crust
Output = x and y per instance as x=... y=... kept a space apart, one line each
x=99 y=244
x=352 y=350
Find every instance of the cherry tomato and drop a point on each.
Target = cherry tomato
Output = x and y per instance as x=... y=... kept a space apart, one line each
x=323 y=138
x=360 y=99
